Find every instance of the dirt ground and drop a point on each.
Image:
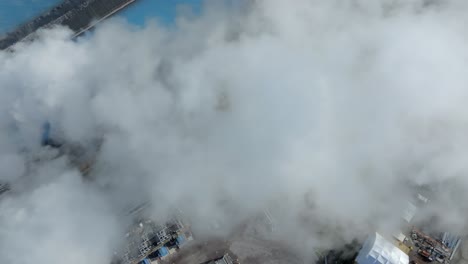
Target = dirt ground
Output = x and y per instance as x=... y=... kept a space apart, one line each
x=248 y=251
x=196 y=252
x=242 y=244
x=254 y=251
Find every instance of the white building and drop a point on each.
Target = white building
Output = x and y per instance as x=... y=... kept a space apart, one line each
x=378 y=250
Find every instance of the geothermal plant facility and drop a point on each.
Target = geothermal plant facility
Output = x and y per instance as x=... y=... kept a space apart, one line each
x=147 y=241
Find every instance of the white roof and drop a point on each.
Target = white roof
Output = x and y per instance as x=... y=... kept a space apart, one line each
x=400 y=237
x=422 y=198
x=378 y=250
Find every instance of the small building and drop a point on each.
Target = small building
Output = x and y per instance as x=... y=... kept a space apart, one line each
x=163 y=252
x=145 y=261
x=378 y=250
x=180 y=240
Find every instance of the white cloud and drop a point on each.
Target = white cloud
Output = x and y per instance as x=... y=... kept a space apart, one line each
x=325 y=110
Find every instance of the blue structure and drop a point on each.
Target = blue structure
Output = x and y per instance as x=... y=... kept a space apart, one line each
x=180 y=240
x=45 y=134
x=145 y=261
x=451 y=241
x=46 y=139
x=163 y=251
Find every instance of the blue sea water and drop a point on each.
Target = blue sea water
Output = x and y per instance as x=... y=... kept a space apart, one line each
x=15 y=12
x=164 y=11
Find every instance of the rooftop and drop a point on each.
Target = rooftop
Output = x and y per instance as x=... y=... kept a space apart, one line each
x=378 y=250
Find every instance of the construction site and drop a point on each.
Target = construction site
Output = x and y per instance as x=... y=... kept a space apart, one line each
x=426 y=248
x=148 y=238
x=416 y=243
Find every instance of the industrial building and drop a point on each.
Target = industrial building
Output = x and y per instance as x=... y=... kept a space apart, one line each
x=148 y=239
x=78 y=15
x=426 y=246
x=412 y=245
